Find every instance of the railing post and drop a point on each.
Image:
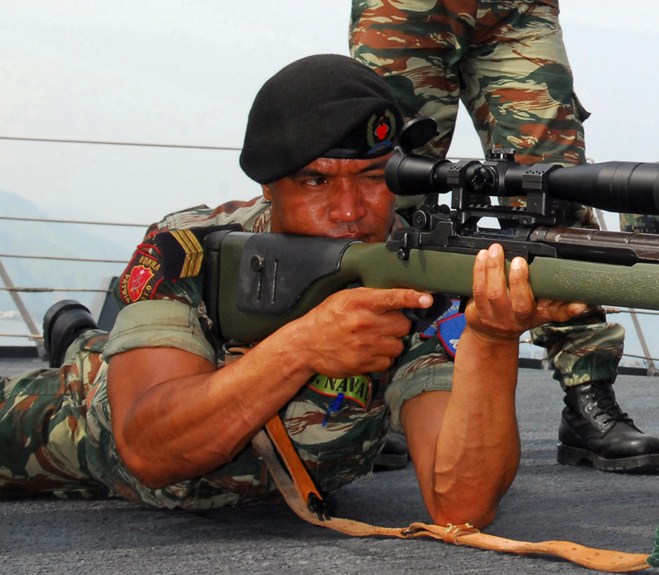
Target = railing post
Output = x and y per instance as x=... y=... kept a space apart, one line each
x=25 y=314
x=652 y=370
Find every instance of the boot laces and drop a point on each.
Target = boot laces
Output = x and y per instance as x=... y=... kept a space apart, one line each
x=605 y=401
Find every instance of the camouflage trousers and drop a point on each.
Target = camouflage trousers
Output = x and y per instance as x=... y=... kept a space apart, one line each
x=504 y=60
x=507 y=63
x=43 y=431
x=639 y=223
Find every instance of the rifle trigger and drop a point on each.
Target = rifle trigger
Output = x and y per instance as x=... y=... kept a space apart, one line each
x=423 y=318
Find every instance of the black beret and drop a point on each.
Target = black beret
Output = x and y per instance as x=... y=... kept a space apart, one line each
x=320 y=106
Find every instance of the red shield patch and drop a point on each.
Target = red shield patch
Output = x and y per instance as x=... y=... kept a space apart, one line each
x=137 y=280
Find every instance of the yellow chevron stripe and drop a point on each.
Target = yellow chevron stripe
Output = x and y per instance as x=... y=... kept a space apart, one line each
x=194 y=252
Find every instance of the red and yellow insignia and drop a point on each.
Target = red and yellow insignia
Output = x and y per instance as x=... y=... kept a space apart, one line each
x=137 y=280
x=140 y=278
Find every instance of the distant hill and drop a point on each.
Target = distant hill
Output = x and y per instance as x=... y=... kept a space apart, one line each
x=56 y=239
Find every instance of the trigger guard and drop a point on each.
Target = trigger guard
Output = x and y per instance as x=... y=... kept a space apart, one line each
x=422 y=318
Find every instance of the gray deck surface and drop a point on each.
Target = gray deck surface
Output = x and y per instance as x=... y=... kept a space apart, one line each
x=547 y=501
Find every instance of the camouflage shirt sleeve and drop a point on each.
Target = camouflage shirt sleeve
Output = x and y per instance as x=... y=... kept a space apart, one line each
x=167 y=263
x=159 y=323
x=424 y=366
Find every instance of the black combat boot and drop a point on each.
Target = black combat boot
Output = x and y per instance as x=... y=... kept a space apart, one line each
x=62 y=324
x=394 y=454
x=594 y=431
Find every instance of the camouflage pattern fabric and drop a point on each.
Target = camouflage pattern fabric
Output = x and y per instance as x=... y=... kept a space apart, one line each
x=583 y=350
x=506 y=62
x=337 y=425
x=337 y=443
x=646 y=224
x=43 y=429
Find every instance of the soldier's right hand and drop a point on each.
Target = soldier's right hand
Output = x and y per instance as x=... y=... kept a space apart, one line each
x=359 y=330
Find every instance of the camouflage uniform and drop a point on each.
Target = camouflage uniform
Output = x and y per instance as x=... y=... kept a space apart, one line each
x=56 y=425
x=507 y=63
x=505 y=60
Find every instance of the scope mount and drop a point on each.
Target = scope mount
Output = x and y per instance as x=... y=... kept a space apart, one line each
x=471 y=184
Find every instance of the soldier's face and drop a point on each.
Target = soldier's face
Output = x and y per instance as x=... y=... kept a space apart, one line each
x=334 y=198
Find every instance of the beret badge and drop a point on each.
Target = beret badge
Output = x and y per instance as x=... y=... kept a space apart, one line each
x=381 y=130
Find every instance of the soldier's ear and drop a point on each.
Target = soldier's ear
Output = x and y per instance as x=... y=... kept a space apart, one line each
x=267 y=193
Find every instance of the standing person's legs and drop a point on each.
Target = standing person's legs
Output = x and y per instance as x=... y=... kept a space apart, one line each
x=417 y=50
x=519 y=91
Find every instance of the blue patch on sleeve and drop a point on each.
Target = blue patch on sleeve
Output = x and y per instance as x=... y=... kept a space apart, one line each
x=448 y=327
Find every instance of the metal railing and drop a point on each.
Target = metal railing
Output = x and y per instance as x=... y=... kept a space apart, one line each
x=97 y=286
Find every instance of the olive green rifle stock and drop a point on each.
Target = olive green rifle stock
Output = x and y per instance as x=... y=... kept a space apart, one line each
x=261 y=282
x=256 y=283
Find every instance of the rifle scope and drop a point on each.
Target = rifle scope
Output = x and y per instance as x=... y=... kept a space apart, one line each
x=627 y=187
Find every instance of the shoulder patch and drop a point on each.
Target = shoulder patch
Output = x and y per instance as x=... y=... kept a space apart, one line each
x=142 y=275
x=182 y=252
x=166 y=255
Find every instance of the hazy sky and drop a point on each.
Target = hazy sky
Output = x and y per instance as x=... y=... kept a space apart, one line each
x=179 y=72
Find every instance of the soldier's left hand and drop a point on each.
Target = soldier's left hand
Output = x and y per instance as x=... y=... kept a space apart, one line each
x=504 y=308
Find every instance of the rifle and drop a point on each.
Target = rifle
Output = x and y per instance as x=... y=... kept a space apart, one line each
x=256 y=283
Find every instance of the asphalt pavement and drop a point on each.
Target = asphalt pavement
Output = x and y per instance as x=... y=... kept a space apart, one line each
x=547 y=501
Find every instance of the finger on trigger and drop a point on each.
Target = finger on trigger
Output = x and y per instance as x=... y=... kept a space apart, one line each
x=400 y=298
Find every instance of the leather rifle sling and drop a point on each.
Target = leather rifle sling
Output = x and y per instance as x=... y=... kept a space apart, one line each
x=296 y=486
